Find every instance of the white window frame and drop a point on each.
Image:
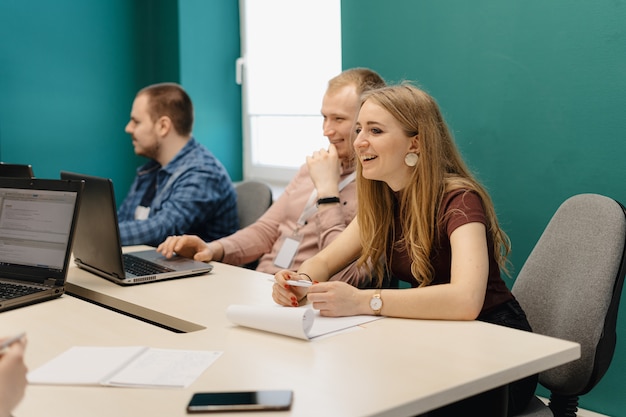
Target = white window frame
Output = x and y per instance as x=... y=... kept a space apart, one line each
x=290 y=49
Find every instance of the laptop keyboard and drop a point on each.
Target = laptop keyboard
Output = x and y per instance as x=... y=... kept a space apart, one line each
x=139 y=267
x=9 y=291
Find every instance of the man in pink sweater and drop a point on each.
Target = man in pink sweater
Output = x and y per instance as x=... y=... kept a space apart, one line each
x=315 y=207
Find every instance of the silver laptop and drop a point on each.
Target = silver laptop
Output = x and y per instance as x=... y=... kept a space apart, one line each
x=37 y=220
x=97 y=246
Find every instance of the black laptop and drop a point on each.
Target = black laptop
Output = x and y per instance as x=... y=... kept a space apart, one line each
x=16 y=170
x=37 y=221
x=98 y=249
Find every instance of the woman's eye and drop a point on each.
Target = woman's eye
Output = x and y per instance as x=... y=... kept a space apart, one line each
x=358 y=130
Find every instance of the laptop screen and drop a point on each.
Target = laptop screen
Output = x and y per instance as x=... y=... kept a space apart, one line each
x=35 y=227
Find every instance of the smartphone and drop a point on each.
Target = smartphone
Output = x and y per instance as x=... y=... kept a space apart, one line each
x=206 y=402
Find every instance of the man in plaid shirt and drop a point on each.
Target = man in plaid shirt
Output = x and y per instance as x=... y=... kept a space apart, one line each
x=183 y=188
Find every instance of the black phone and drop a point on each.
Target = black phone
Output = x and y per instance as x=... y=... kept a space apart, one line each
x=206 y=402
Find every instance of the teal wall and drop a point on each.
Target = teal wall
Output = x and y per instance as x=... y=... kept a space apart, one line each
x=535 y=92
x=209 y=46
x=69 y=70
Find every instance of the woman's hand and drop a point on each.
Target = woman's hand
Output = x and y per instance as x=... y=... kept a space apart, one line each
x=285 y=294
x=338 y=299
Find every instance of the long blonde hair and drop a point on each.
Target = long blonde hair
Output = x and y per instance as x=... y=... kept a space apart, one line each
x=440 y=170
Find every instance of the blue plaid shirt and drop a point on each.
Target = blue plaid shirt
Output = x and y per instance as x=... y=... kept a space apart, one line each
x=194 y=195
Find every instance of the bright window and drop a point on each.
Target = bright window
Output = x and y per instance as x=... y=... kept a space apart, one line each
x=290 y=49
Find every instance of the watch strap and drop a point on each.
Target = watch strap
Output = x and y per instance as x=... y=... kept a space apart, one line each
x=377 y=295
x=328 y=200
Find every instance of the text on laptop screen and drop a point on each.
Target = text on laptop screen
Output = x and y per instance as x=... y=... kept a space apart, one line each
x=35 y=226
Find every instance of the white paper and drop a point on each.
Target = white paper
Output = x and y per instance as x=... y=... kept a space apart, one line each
x=165 y=368
x=326 y=325
x=81 y=365
x=133 y=366
x=294 y=322
x=302 y=322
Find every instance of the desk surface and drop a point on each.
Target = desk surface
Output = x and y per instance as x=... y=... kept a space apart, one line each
x=391 y=367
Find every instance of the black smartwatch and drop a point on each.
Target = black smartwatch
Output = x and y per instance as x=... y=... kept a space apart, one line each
x=327 y=200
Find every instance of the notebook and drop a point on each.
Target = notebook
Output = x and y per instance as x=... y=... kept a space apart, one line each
x=98 y=249
x=37 y=221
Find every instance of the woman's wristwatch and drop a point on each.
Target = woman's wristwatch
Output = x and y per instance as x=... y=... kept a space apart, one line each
x=376 y=303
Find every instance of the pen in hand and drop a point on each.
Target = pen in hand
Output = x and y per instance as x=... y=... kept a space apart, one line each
x=295 y=283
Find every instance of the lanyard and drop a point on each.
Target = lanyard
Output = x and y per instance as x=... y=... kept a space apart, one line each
x=310 y=206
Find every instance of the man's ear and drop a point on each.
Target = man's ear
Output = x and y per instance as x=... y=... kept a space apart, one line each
x=163 y=125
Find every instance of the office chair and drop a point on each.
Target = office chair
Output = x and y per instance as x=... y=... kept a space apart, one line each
x=570 y=288
x=253 y=199
x=16 y=170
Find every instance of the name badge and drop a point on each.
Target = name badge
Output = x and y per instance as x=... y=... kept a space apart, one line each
x=287 y=251
x=142 y=213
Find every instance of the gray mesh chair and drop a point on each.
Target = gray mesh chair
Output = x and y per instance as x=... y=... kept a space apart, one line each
x=570 y=288
x=253 y=199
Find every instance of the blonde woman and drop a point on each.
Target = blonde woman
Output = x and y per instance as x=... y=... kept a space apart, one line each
x=422 y=218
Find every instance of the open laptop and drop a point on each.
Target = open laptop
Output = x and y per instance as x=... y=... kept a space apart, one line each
x=16 y=170
x=37 y=221
x=98 y=249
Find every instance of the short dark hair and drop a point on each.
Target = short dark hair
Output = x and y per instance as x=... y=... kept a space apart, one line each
x=171 y=100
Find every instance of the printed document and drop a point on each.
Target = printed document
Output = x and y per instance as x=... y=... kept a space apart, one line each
x=128 y=366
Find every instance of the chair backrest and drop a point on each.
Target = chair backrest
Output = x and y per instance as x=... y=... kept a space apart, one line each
x=570 y=287
x=253 y=199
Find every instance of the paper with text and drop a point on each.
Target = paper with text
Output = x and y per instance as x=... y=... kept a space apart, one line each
x=128 y=366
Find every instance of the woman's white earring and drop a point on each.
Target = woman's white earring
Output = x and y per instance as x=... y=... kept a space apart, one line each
x=411 y=159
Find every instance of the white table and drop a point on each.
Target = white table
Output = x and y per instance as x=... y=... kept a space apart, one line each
x=390 y=367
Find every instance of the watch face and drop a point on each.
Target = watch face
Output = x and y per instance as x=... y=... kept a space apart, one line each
x=376 y=303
